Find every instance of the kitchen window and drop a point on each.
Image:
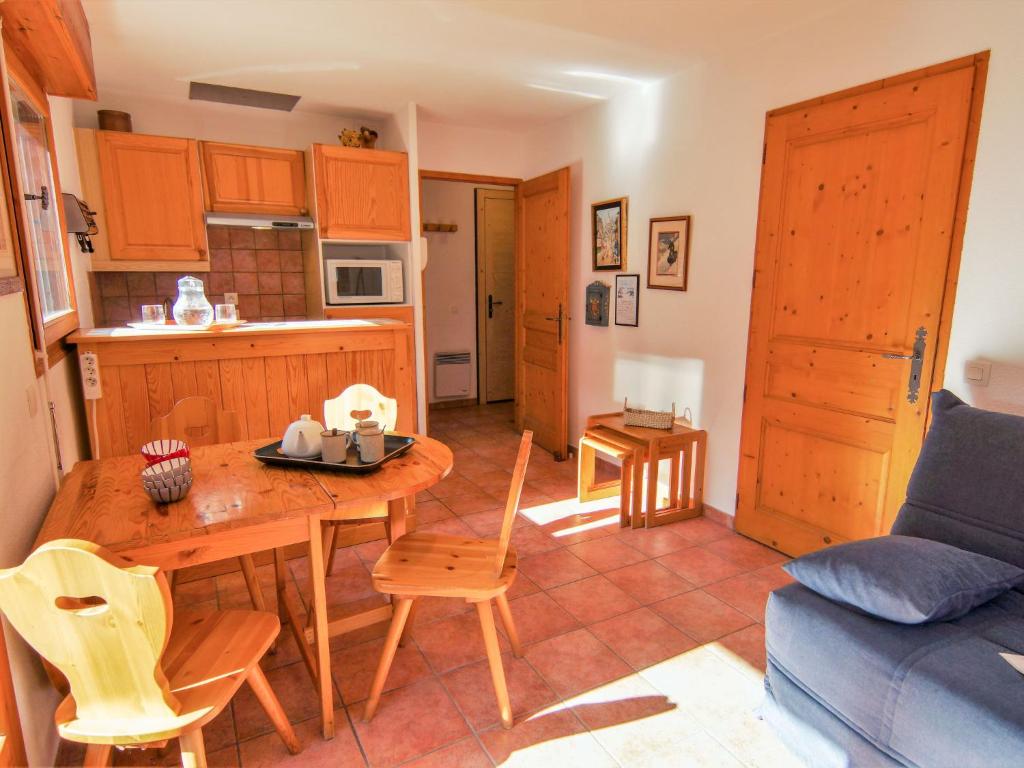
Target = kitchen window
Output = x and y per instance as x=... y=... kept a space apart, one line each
x=44 y=247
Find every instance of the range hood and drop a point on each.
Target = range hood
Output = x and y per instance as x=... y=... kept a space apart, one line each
x=259 y=221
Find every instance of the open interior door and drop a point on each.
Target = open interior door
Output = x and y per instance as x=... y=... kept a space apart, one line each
x=542 y=302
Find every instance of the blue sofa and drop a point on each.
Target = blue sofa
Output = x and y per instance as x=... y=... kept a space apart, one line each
x=845 y=689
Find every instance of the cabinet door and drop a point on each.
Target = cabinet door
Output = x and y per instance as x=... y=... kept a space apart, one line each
x=361 y=194
x=153 y=197
x=243 y=179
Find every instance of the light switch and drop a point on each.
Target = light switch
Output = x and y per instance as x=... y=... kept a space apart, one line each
x=977 y=372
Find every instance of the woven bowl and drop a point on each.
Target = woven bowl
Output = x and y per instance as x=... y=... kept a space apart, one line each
x=167 y=474
x=162 y=450
x=167 y=495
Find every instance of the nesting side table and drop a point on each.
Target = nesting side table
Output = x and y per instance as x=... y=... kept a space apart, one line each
x=684 y=447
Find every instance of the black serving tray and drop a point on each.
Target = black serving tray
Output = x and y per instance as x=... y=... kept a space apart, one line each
x=394 y=446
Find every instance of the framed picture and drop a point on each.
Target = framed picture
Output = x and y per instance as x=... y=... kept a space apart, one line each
x=597 y=303
x=668 y=253
x=609 y=227
x=627 y=300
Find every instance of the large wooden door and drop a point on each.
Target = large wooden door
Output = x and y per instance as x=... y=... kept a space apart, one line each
x=859 y=197
x=496 y=281
x=153 y=196
x=542 y=301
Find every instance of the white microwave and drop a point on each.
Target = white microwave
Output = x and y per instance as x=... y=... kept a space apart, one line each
x=363 y=281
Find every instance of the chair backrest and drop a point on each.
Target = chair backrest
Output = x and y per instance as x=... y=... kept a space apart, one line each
x=101 y=621
x=364 y=400
x=512 y=503
x=198 y=421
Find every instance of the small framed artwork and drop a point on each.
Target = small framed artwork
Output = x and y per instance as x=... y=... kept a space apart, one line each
x=597 y=303
x=668 y=253
x=609 y=223
x=627 y=300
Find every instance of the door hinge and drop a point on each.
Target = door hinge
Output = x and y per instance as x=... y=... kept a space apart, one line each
x=753 y=281
x=744 y=393
x=764 y=153
x=737 y=500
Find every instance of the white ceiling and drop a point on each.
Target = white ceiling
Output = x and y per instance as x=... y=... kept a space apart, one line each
x=494 y=63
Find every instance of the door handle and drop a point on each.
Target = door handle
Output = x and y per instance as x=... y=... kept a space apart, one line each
x=558 y=319
x=916 y=364
x=43 y=197
x=491 y=304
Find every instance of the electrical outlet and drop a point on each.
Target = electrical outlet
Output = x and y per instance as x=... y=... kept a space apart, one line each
x=978 y=372
x=231 y=298
x=90 y=365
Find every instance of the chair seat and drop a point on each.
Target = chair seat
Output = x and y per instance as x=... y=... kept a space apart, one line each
x=443 y=565
x=206 y=660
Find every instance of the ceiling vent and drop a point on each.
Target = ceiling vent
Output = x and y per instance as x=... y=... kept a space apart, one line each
x=243 y=97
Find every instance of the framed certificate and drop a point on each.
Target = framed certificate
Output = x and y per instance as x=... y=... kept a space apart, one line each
x=627 y=300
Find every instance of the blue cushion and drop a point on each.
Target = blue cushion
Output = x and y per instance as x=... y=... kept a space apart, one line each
x=967 y=488
x=905 y=579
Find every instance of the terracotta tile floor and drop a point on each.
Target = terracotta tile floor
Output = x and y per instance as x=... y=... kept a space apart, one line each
x=643 y=648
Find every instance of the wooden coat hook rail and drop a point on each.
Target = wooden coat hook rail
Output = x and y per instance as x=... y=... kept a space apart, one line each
x=437 y=227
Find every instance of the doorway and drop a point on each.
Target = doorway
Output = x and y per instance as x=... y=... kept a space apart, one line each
x=469 y=290
x=863 y=204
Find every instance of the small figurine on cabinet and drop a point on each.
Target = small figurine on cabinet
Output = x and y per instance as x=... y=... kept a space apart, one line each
x=368 y=136
x=364 y=138
x=350 y=138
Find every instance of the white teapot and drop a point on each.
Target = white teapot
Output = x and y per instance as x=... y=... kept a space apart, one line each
x=302 y=438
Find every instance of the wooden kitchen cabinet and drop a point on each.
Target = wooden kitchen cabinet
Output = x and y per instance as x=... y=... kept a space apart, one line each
x=361 y=194
x=152 y=198
x=238 y=178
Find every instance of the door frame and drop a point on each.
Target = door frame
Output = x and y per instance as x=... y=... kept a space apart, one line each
x=481 y=291
x=470 y=178
x=979 y=63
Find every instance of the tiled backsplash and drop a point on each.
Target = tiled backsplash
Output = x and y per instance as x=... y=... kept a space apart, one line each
x=264 y=267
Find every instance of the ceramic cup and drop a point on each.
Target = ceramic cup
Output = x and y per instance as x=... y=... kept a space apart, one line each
x=369 y=439
x=334 y=445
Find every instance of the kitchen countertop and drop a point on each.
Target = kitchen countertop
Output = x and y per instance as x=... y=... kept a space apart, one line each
x=93 y=335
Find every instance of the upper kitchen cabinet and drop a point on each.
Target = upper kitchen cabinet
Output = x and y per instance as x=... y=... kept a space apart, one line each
x=148 y=196
x=361 y=194
x=51 y=39
x=243 y=179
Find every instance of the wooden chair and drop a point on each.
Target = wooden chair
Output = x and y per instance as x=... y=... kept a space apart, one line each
x=356 y=403
x=139 y=674
x=359 y=402
x=199 y=421
x=441 y=565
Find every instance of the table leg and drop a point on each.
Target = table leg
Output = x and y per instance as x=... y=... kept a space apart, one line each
x=653 y=458
x=637 y=519
x=320 y=636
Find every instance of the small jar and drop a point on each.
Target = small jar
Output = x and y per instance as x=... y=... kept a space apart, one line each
x=192 y=306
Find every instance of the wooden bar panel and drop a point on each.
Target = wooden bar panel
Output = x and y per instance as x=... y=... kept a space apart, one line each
x=268 y=379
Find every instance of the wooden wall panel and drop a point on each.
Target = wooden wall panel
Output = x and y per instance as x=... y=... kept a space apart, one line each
x=269 y=388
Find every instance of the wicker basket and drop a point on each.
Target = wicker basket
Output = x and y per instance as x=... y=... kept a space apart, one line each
x=638 y=417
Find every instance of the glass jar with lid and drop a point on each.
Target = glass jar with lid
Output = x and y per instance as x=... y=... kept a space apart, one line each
x=192 y=306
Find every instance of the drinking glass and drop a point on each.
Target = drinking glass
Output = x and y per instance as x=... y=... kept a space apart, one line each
x=226 y=313
x=153 y=314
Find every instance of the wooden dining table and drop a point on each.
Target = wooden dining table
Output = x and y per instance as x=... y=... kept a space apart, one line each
x=237 y=506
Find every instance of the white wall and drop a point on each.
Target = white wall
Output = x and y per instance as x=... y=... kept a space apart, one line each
x=462 y=149
x=26 y=489
x=692 y=144
x=230 y=123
